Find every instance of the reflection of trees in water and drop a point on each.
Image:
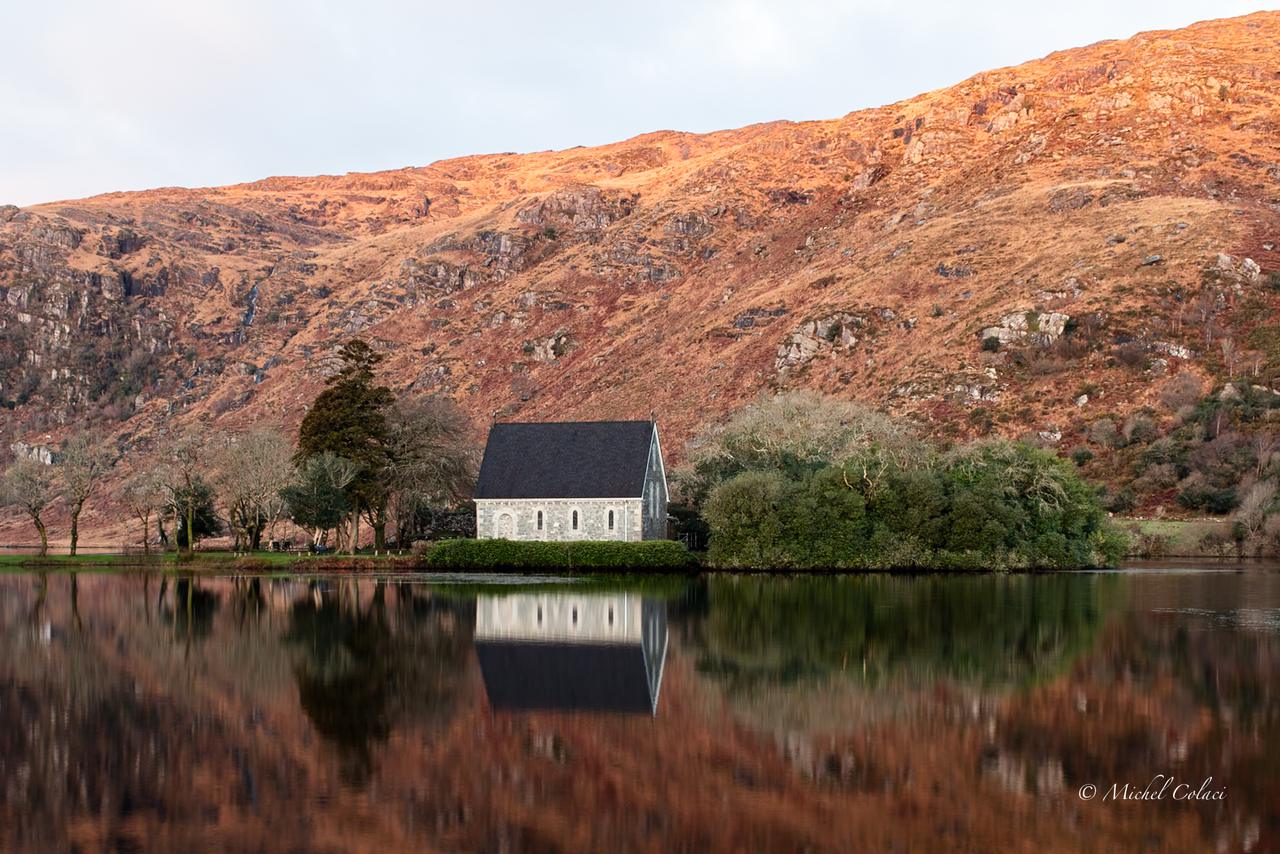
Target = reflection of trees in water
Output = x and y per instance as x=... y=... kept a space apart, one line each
x=77 y=737
x=363 y=667
x=988 y=631
x=190 y=610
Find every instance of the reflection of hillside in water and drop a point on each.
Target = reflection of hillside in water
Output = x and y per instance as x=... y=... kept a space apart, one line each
x=599 y=652
x=347 y=715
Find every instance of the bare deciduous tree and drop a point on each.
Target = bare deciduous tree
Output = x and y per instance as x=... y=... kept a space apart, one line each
x=145 y=495
x=180 y=475
x=795 y=429
x=84 y=460
x=1229 y=355
x=249 y=470
x=28 y=484
x=432 y=465
x=1265 y=447
x=1253 y=511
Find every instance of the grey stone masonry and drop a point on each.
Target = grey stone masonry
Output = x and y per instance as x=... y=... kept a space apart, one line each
x=642 y=517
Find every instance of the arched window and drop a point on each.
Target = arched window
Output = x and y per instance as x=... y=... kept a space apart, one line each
x=610 y=520
x=539 y=520
x=575 y=520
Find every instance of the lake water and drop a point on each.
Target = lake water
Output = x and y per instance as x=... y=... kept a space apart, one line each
x=934 y=713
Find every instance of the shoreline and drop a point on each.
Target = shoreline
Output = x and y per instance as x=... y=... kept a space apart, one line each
x=269 y=564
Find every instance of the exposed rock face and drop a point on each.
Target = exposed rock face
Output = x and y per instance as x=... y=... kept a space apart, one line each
x=1036 y=327
x=583 y=210
x=833 y=332
x=550 y=348
x=39 y=453
x=857 y=256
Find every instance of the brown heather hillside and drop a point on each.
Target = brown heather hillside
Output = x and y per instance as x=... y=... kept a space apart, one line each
x=1090 y=194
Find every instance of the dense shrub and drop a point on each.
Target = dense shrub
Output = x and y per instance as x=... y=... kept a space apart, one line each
x=794 y=434
x=1104 y=432
x=583 y=554
x=1156 y=478
x=1119 y=500
x=1198 y=495
x=1181 y=391
x=989 y=505
x=1139 y=429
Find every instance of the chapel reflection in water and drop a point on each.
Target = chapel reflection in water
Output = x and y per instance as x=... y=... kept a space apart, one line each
x=598 y=652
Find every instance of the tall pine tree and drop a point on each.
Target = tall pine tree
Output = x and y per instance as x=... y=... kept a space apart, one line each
x=349 y=418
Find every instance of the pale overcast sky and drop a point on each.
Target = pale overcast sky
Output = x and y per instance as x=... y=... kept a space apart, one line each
x=129 y=94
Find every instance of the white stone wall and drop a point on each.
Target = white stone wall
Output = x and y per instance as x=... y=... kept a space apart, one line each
x=517 y=519
x=576 y=618
x=654 y=526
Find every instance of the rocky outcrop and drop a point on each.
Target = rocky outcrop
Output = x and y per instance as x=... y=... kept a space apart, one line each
x=550 y=348
x=1244 y=271
x=831 y=333
x=580 y=210
x=39 y=453
x=1027 y=326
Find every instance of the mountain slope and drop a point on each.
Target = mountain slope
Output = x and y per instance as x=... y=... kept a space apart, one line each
x=1108 y=214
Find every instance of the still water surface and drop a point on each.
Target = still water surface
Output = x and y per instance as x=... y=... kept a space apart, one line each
x=139 y=713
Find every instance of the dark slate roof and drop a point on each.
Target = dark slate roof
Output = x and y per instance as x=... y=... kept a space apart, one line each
x=565 y=459
x=527 y=676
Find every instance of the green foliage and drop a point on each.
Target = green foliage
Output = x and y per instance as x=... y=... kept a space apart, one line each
x=987 y=631
x=1202 y=496
x=349 y=419
x=317 y=500
x=746 y=518
x=1081 y=455
x=582 y=554
x=992 y=505
x=198 y=497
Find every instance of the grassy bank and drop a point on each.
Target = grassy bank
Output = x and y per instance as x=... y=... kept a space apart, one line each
x=213 y=562
x=1155 y=538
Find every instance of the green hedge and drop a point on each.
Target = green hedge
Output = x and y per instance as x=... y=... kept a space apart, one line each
x=587 y=554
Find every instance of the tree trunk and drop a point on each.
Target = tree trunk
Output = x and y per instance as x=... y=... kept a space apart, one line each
x=75 y=525
x=380 y=536
x=146 y=534
x=191 y=526
x=44 y=535
x=355 y=529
